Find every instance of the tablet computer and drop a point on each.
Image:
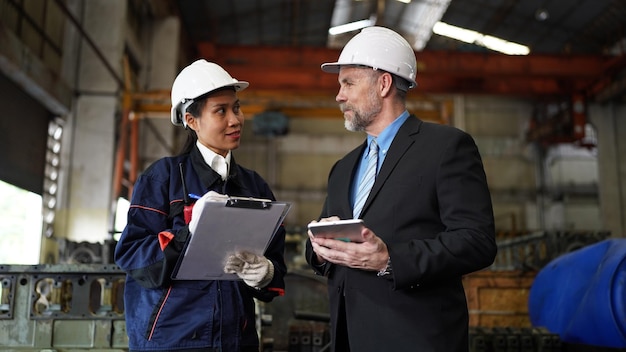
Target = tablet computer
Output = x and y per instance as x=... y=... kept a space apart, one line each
x=344 y=230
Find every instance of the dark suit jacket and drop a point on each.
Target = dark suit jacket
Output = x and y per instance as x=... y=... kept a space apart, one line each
x=431 y=205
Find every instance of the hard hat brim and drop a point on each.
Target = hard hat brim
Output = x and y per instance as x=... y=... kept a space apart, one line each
x=239 y=86
x=331 y=67
x=334 y=67
x=177 y=119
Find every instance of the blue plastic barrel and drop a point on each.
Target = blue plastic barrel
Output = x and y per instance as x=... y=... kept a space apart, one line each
x=581 y=296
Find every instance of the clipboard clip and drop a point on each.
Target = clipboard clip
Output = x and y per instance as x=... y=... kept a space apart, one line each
x=249 y=203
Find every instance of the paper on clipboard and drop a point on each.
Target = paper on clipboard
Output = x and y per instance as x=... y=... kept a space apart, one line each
x=225 y=226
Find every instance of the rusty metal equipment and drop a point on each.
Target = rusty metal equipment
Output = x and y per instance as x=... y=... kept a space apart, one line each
x=62 y=308
x=514 y=340
x=300 y=319
x=531 y=251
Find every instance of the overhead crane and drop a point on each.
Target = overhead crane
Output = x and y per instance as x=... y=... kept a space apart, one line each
x=289 y=80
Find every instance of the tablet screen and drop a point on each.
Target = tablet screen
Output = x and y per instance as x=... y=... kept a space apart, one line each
x=344 y=230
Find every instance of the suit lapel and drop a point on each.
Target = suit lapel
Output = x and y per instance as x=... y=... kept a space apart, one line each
x=347 y=168
x=401 y=143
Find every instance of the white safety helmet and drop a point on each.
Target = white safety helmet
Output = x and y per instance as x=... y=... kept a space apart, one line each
x=379 y=48
x=195 y=80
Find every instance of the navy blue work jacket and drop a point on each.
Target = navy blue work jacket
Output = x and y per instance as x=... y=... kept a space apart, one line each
x=162 y=314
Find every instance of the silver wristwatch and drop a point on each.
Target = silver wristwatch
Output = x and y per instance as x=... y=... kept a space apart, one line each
x=386 y=270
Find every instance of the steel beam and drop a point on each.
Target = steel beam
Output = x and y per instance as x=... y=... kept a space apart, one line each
x=298 y=69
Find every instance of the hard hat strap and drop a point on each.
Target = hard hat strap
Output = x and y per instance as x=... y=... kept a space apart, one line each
x=184 y=105
x=401 y=83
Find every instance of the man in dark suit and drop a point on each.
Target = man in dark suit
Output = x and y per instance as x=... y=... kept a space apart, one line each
x=428 y=217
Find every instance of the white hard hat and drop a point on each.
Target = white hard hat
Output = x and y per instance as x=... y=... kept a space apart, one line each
x=379 y=48
x=195 y=80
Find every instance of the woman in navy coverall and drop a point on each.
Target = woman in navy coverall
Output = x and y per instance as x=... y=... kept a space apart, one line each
x=195 y=316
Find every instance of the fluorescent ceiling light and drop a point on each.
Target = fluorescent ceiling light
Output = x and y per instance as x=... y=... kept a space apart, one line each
x=477 y=38
x=503 y=46
x=415 y=20
x=352 y=26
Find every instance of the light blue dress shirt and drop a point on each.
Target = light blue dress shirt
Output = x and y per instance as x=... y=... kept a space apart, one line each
x=384 y=142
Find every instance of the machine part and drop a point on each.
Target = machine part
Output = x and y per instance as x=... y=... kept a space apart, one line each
x=80 y=252
x=7 y=292
x=582 y=295
x=300 y=319
x=62 y=308
x=534 y=250
x=508 y=339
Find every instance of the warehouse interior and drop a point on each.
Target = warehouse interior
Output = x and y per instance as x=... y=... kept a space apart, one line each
x=86 y=103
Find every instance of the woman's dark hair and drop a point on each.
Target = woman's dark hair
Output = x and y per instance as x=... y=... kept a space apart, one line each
x=195 y=109
x=190 y=142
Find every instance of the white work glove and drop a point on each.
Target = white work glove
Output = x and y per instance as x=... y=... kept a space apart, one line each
x=255 y=270
x=210 y=196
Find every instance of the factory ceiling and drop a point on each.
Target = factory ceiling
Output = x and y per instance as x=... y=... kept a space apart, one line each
x=546 y=26
x=575 y=45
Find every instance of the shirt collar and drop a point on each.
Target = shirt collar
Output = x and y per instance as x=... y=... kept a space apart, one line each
x=208 y=155
x=385 y=138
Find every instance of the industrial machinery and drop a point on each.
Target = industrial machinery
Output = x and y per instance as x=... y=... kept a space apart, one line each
x=78 y=306
x=65 y=307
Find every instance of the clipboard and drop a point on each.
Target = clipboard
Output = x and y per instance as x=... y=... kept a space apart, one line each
x=225 y=226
